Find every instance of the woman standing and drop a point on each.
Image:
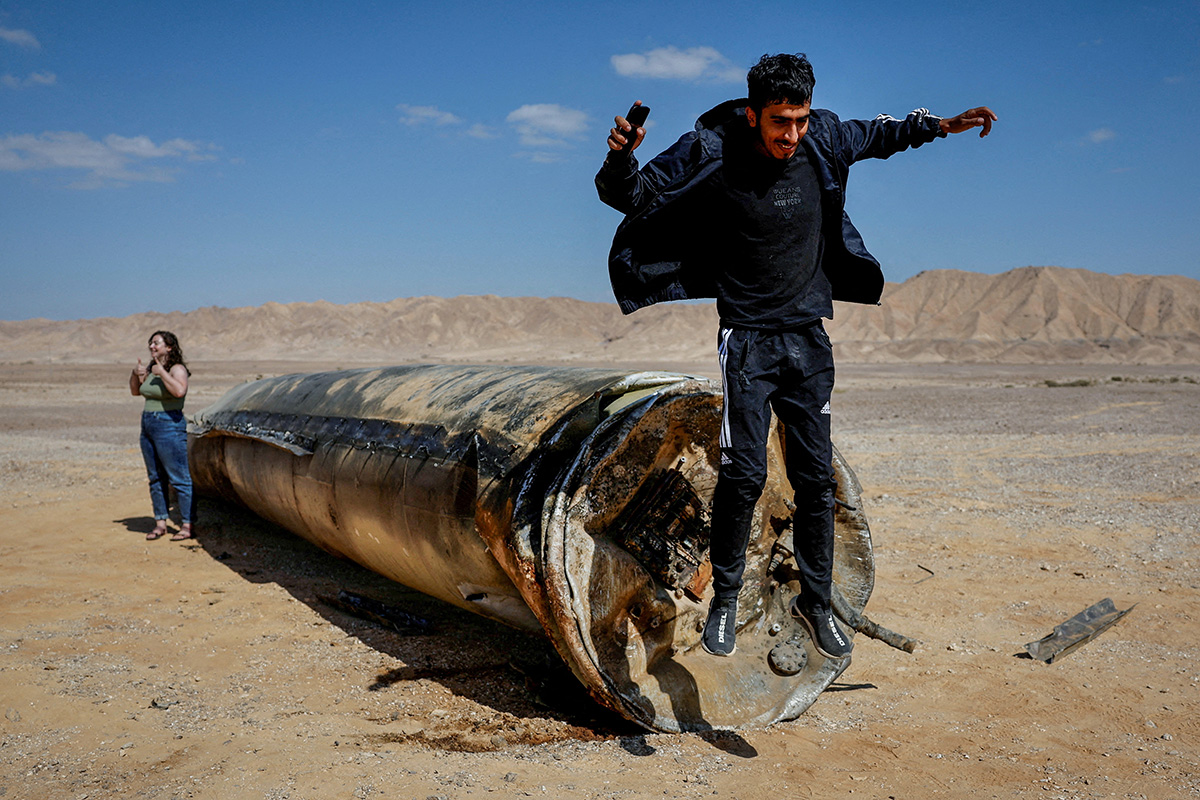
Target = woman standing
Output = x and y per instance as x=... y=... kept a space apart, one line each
x=164 y=430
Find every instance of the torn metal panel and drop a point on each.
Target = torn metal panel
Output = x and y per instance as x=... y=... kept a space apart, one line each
x=1077 y=631
x=573 y=502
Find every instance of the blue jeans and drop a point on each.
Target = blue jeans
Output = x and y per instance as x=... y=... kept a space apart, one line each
x=164 y=449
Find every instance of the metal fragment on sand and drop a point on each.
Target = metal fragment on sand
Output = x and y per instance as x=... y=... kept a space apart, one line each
x=1077 y=631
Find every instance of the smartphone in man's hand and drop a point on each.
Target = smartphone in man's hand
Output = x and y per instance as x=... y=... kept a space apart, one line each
x=636 y=118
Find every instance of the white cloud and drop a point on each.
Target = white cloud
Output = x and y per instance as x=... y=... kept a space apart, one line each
x=671 y=63
x=425 y=115
x=113 y=161
x=481 y=131
x=548 y=124
x=20 y=38
x=543 y=126
x=1101 y=135
x=414 y=116
x=33 y=79
x=540 y=157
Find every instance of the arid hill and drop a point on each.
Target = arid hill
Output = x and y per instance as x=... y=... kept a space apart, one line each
x=1027 y=315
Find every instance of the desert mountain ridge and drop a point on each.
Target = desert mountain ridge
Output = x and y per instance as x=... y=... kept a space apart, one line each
x=1023 y=316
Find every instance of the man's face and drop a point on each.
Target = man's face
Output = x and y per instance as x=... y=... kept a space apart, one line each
x=780 y=128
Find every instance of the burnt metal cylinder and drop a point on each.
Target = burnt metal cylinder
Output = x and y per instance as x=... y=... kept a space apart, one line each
x=570 y=502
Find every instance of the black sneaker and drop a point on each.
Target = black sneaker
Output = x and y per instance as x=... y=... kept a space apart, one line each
x=826 y=634
x=718 y=636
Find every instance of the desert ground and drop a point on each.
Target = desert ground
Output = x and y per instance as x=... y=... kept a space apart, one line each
x=1002 y=501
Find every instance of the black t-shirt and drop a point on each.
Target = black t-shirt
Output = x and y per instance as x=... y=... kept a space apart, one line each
x=761 y=220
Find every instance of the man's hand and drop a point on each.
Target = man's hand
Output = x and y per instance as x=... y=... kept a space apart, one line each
x=972 y=118
x=619 y=135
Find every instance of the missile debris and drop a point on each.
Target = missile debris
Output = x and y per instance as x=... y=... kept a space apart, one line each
x=569 y=502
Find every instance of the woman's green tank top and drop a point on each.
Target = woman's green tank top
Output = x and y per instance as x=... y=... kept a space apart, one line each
x=157 y=396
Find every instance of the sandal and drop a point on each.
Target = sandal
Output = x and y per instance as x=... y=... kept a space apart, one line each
x=181 y=535
x=157 y=533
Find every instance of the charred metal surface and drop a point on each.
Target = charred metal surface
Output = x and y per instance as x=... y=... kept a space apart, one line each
x=300 y=433
x=391 y=617
x=666 y=527
x=568 y=501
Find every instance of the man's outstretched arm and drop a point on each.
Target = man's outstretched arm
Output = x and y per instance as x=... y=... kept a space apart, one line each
x=980 y=117
x=885 y=136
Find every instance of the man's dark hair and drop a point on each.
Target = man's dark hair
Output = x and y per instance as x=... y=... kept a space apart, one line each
x=781 y=78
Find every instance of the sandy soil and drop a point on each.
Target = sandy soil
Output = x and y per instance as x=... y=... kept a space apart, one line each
x=1002 y=501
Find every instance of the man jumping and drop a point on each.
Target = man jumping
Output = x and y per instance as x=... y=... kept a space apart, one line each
x=749 y=208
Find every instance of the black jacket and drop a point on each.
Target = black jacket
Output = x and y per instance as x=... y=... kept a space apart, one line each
x=652 y=260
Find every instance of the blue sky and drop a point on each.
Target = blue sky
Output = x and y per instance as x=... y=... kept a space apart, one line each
x=160 y=156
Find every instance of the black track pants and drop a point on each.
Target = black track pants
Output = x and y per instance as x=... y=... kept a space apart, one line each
x=790 y=372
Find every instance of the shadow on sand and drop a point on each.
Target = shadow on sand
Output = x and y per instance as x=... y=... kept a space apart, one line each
x=488 y=663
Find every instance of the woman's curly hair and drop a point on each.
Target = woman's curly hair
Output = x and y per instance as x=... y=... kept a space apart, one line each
x=174 y=351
